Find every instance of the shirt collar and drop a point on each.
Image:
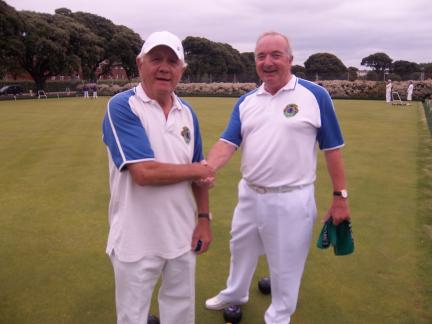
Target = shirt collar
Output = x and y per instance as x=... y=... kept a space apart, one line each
x=139 y=90
x=287 y=87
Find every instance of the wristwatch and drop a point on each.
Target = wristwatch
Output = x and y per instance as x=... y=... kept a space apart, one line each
x=205 y=215
x=343 y=193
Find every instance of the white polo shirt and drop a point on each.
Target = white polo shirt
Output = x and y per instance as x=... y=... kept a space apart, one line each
x=278 y=133
x=149 y=220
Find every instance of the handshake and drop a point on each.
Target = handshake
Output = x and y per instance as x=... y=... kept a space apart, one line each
x=206 y=174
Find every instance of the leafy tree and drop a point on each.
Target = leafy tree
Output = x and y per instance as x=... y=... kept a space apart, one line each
x=379 y=62
x=405 y=69
x=45 y=48
x=124 y=47
x=201 y=56
x=426 y=68
x=249 y=73
x=325 y=66
x=393 y=77
x=117 y=45
x=56 y=44
x=47 y=45
x=298 y=71
x=85 y=45
x=352 y=73
x=105 y=30
x=233 y=61
x=84 y=48
x=210 y=61
x=11 y=33
x=64 y=12
x=372 y=76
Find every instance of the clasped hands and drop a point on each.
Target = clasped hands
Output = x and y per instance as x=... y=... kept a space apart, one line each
x=208 y=174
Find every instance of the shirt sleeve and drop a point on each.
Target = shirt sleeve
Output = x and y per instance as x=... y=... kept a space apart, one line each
x=329 y=135
x=232 y=132
x=124 y=134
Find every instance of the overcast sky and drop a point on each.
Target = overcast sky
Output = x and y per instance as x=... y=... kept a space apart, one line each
x=349 y=29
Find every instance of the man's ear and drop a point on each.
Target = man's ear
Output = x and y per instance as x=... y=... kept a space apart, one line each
x=138 y=61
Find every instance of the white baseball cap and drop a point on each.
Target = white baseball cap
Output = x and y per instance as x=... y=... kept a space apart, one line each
x=163 y=38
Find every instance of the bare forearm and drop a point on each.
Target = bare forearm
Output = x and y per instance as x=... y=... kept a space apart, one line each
x=220 y=154
x=339 y=209
x=201 y=195
x=335 y=167
x=156 y=173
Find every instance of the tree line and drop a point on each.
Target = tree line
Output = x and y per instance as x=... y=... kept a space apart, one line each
x=66 y=43
x=71 y=43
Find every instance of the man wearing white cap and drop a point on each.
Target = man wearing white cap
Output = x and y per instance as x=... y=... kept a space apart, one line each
x=158 y=216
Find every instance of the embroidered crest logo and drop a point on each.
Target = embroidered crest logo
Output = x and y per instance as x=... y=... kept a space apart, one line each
x=185 y=133
x=290 y=110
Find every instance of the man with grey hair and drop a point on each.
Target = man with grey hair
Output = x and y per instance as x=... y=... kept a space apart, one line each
x=158 y=216
x=278 y=128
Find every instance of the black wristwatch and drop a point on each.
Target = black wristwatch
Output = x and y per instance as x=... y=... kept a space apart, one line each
x=205 y=215
x=343 y=193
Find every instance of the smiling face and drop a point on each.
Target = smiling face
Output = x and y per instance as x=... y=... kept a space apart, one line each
x=160 y=71
x=273 y=61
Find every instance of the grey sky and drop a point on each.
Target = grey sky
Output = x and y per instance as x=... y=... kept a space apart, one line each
x=349 y=29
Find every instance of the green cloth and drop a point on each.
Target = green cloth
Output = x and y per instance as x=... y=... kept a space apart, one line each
x=339 y=236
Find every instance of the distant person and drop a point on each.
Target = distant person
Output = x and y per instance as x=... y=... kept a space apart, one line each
x=157 y=213
x=410 y=91
x=278 y=128
x=389 y=91
x=86 y=91
x=95 y=92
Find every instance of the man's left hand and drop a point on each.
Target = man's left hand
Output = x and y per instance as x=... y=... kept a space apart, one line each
x=202 y=232
x=339 y=211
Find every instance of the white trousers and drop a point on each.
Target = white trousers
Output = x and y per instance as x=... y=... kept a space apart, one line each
x=409 y=96
x=135 y=281
x=278 y=225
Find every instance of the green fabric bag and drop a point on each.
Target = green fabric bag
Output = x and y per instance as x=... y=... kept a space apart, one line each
x=340 y=237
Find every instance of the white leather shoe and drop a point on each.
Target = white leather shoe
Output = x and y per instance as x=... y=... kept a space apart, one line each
x=215 y=303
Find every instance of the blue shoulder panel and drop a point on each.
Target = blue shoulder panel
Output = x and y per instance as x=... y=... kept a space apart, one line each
x=124 y=133
x=329 y=135
x=232 y=132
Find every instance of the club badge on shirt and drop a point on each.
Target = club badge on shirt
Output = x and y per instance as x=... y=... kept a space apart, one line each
x=185 y=133
x=290 y=110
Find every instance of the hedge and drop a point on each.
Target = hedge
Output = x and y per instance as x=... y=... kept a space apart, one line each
x=338 y=89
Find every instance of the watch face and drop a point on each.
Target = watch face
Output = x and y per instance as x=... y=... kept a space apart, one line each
x=343 y=193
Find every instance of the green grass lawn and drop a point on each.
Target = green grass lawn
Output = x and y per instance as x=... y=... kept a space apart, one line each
x=53 y=218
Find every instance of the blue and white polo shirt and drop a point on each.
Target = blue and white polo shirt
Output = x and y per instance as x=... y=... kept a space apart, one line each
x=278 y=134
x=149 y=220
